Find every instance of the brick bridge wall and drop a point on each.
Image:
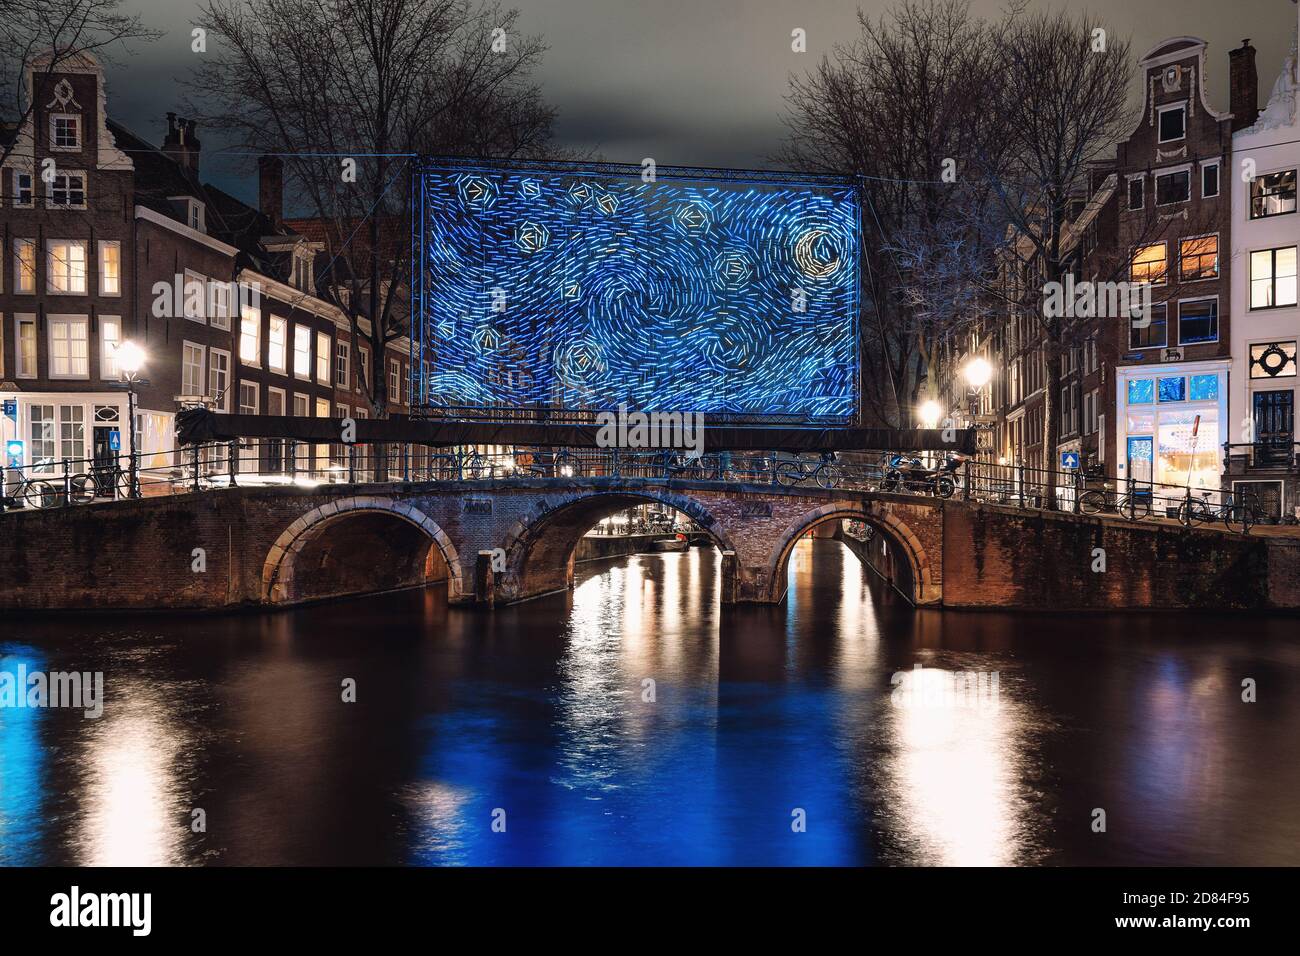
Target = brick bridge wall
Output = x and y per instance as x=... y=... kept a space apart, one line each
x=286 y=545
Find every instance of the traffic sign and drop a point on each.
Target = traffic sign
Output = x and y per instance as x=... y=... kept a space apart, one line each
x=1069 y=460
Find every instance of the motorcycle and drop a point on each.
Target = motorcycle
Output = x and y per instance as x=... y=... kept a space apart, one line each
x=908 y=473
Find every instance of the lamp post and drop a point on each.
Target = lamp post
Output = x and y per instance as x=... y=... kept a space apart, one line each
x=130 y=359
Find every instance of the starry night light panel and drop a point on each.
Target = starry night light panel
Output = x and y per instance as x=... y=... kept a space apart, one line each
x=572 y=287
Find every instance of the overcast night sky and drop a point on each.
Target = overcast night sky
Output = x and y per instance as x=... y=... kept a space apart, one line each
x=700 y=82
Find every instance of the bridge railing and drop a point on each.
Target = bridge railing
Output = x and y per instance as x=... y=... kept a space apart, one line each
x=197 y=468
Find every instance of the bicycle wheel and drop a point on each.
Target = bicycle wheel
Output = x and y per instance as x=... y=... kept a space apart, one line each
x=788 y=473
x=1239 y=518
x=828 y=476
x=1194 y=511
x=1092 y=502
x=41 y=494
x=891 y=481
x=476 y=469
x=83 y=489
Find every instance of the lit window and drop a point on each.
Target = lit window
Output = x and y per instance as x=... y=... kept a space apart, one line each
x=1273 y=360
x=1172 y=389
x=1141 y=391
x=323 y=358
x=110 y=268
x=26 y=332
x=110 y=337
x=278 y=344
x=1203 y=388
x=250 y=327
x=25 y=265
x=1272 y=195
x=1273 y=277
x=219 y=304
x=301 y=351
x=1150 y=264
x=219 y=376
x=192 y=369
x=1199 y=258
x=69 y=352
x=248 y=398
x=342 y=354
x=66 y=267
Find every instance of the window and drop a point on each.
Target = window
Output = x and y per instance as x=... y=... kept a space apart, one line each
x=1173 y=122
x=192 y=369
x=250 y=328
x=69 y=352
x=25 y=265
x=25 y=345
x=1203 y=388
x=1272 y=195
x=219 y=305
x=1210 y=180
x=195 y=215
x=1272 y=277
x=24 y=195
x=196 y=294
x=323 y=358
x=1141 y=391
x=1198 y=321
x=1150 y=264
x=66 y=267
x=1173 y=187
x=248 y=398
x=65 y=131
x=394 y=380
x=363 y=366
x=72 y=432
x=341 y=356
x=1273 y=360
x=1136 y=192
x=41 y=433
x=110 y=337
x=219 y=377
x=301 y=407
x=110 y=268
x=1172 y=389
x=1155 y=334
x=322 y=408
x=301 y=351
x=276 y=355
x=1199 y=258
x=67 y=190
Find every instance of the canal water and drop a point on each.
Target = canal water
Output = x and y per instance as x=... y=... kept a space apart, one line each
x=633 y=721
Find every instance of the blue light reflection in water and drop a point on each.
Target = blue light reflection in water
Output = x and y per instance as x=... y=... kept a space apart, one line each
x=22 y=766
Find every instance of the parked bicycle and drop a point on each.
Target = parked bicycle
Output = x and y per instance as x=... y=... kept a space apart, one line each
x=1135 y=503
x=48 y=492
x=906 y=473
x=795 y=471
x=1238 y=511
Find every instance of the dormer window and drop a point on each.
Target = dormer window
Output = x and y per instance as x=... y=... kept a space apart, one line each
x=1173 y=123
x=65 y=131
x=300 y=272
x=195 y=215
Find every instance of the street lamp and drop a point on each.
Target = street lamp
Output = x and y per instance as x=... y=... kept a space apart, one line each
x=930 y=412
x=130 y=359
x=977 y=372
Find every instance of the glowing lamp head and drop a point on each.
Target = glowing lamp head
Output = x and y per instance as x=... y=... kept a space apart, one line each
x=130 y=357
x=977 y=372
x=930 y=413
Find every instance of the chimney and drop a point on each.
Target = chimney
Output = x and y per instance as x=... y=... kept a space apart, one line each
x=270 y=188
x=182 y=142
x=1243 y=85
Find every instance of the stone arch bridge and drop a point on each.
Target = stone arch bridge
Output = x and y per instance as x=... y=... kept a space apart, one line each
x=514 y=539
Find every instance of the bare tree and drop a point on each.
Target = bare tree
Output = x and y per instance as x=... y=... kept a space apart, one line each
x=48 y=35
x=346 y=91
x=903 y=107
x=1062 y=103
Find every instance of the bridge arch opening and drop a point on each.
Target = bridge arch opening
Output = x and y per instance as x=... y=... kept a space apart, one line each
x=542 y=549
x=884 y=546
x=316 y=557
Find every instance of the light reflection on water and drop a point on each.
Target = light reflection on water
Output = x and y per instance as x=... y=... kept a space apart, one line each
x=541 y=718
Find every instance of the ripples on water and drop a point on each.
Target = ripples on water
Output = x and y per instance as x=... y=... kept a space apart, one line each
x=541 y=715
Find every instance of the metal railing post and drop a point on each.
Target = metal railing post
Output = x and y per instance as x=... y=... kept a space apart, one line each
x=233 y=455
x=965 y=467
x=352 y=463
x=292 y=447
x=1078 y=488
x=194 y=463
x=1021 y=496
x=67 y=483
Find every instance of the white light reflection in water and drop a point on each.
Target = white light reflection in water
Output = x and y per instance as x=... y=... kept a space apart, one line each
x=951 y=784
x=133 y=812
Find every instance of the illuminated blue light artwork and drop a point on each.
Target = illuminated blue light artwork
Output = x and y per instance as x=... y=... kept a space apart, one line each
x=1141 y=391
x=565 y=286
x=1205 y=388
x=1173 y=389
